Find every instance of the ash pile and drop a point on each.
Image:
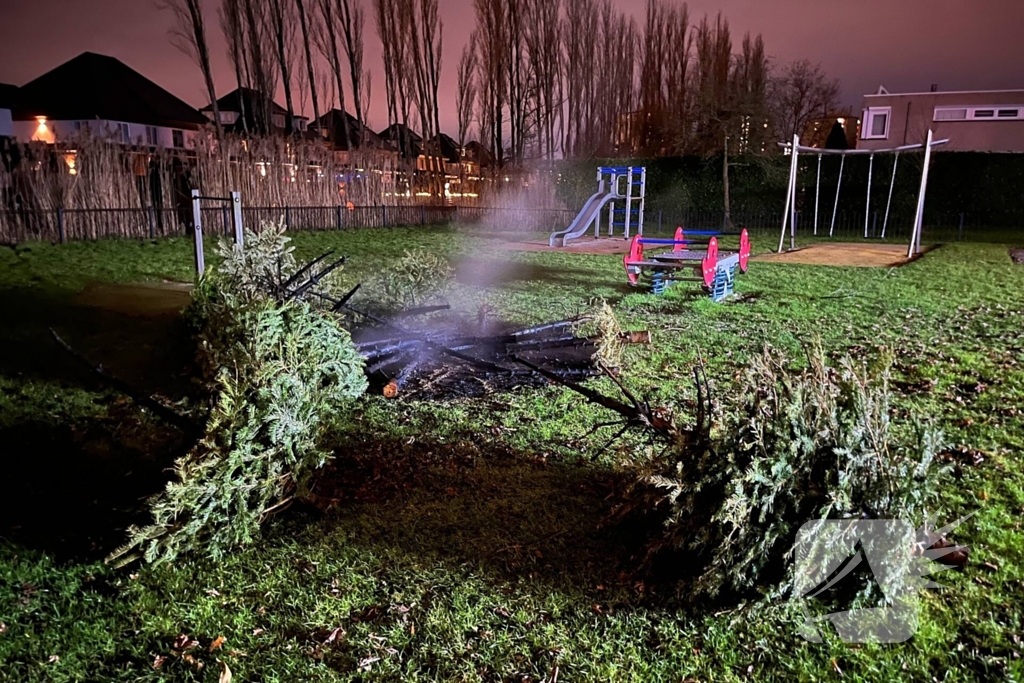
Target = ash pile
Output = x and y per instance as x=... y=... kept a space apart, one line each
x=448 y=357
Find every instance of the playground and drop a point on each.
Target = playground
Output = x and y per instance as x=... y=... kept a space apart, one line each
x=462 y=538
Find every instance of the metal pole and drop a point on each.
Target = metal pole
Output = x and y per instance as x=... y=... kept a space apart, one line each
x=839 y=183
x=792 y=215
x=817 y=196
x=629 y=202
x=915 y=234
x=789 y=192
x=152 y=222
x=197 y=232
x=892 y=184
x=867 y=205
x=643 y=195
x=60 y=226
x=236 y=218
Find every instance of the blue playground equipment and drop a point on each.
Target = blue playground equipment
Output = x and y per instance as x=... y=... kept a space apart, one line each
x=625 y=183
x=715 y=270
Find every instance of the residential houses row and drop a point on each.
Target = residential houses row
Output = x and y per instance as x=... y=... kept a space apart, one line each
x=108 y=98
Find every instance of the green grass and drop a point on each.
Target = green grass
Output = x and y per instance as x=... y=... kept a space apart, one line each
x=469 y=547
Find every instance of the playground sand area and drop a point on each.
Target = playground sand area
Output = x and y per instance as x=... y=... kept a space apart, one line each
x=855 y=254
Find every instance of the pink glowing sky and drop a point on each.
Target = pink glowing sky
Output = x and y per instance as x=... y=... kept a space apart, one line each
x=904 y=44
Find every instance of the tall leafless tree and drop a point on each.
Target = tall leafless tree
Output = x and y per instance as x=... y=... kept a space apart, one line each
x=307 y=48
x=353 y=21
x=800 y=92
x=327 y=41
x=189 y=35
x=232 y=24
x=280 y=19
x=465 y=97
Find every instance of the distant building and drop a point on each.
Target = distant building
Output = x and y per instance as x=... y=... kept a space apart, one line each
x=245 y=110
x=106 y=97
x=333 y=125
x=407 y=142
x=821 y=132
x=7 y=95
x=974 y=120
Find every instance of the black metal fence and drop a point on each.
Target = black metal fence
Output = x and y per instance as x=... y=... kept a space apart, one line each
x=63 y=225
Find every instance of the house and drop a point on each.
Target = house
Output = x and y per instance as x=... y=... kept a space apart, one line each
x=403 y=139
x=444 y=147
x=106 y=97
x=245 y=110
x=7 y=96
x=332 y=124
x=973 y=121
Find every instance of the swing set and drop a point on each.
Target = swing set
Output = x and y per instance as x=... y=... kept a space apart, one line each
x=789 y=213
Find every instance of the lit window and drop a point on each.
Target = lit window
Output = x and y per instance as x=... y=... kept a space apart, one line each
x=876 y=123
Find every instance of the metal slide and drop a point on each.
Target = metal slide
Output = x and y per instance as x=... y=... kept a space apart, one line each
x=584 y=219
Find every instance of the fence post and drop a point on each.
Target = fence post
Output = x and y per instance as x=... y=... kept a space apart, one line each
x=197 y=232
x=423 y=214
x=383 y=215
x=60 y=226
x=152 y=222
x=287 y=218
x=236 y=218
x=874 y=223
x=337 y=217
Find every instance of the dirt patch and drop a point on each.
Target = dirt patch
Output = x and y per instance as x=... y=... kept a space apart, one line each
x=856 y=254
x=1017 y=256
x=145 y=300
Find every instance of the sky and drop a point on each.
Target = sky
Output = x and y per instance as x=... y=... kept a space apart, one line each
x=905 y=45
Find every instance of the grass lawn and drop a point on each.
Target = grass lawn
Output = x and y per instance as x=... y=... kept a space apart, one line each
x=469 y=546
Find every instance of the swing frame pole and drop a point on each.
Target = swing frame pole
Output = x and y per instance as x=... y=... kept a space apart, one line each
x=839 y=184
x=892 y=184
x=789 y=213
x=915 y=233
x=817 y=196
x=867 y=202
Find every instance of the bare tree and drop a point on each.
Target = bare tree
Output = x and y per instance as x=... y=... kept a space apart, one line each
x=492 y=74
x=543 y=43
x=260 y=66
x=232 y=24
x=307 y=47
x=800 y=92
x=189 y=36
x=465 y=98
x=580 y=25
x=327 y=41
x=281 y=23
x=353 y=20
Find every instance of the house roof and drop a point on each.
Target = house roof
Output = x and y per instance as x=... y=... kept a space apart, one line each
x=333 y=123
x=8 y=93
x=396 y=133
x=448 y=148
x=93 y=86
x=478 y=153
x=248 y=97
x=882 y=92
